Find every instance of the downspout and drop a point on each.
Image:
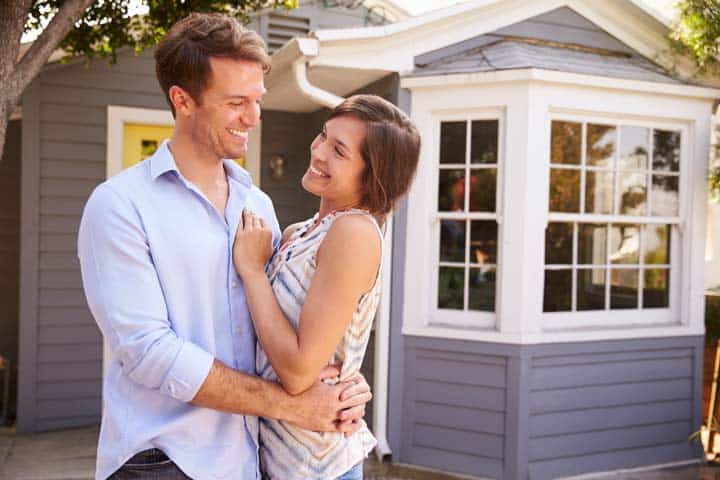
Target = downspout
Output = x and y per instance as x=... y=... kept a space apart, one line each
x=382 y=327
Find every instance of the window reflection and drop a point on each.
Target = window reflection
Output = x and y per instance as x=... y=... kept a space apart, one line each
x=564 y=190
x=633 y=147
x=481 y=291
x=656 y=288
x=484 y=141
x=451 y=196
x=666 y=151
x=452 y=241
x=657 y=244
x=591 y=289
x=566 y=143
x=625 y=244
x=592 y=244
x=483 y=242
x=601 y=140
x=558 y=244
x=624 y=288
x=452 y=142
x=599 y=188
x=558 y=291
x=482 y=190
x=665 y=195
x=633 y=193
x=451 y=288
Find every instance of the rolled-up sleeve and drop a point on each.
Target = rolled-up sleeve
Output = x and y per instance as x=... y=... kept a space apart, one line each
x=125 y=297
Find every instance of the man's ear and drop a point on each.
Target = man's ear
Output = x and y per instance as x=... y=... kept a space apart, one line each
x=182 y=100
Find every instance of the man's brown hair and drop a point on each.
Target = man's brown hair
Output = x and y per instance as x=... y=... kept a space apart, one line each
x=182 y=57
x=391 y=149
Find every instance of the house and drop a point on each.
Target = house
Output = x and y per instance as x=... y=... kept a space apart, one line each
x=543 y=313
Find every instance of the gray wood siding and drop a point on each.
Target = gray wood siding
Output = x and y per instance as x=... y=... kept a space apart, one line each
x=454 y=407
x=542 y=412
x=72 y=134
x=10 y=251
x=612 y=405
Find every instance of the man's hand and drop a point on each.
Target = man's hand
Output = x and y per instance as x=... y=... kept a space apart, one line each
x=331 y=408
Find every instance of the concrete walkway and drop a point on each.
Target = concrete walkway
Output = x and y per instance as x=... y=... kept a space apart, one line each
x=70 y=455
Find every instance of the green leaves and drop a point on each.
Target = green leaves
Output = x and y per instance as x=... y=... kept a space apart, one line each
x=697 y=33
x=110 y=25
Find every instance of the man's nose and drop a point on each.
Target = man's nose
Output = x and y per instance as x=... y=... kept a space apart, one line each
x=251 y=115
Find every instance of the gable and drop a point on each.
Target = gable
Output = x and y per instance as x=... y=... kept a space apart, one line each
x=559 y=40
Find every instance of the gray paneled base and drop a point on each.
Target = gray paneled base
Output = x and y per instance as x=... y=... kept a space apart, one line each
x=549 y=411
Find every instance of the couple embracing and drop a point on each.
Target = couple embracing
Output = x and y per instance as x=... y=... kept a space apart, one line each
x=235 y=349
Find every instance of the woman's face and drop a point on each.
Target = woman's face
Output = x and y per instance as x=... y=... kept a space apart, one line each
x=336 y=164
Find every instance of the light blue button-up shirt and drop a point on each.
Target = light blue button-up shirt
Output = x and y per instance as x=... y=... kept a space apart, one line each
x=156 y=261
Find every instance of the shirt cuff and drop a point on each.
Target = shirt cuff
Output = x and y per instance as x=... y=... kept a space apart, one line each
x=190 y=369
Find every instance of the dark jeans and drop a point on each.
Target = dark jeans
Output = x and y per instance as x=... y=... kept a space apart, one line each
x=150 y=464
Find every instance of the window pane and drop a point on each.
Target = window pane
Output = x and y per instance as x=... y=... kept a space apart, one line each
x=666 y=151
x=484 y=141
x=482 y=289
x=625 y=244
x=483 y=242
x=599 y=188
x=558 y=244
x=656 y=291
x=591 y=289
x=452 y=142
x=558 y=290
x=665 y=199
x=657 y=244
x=601 y=141
x=633 y=147
x=633 y=193
x=592 y=244
x=482 y=190
x=566 y=143
x=452 y=241
x=564 y=190
x=624 y=288
x=451 y=285
x=451 y=197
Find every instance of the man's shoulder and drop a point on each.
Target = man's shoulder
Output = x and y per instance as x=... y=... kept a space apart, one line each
x=121 y=187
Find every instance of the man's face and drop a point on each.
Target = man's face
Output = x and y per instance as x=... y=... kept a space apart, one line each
x=228 y=107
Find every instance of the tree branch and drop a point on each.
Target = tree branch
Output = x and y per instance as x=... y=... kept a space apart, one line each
x=39 y=52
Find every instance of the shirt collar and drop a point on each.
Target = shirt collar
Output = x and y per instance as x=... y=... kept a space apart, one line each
x=163 y=161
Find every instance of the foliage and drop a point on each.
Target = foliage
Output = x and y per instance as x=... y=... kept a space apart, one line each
x=108 y=25
x=697 y=33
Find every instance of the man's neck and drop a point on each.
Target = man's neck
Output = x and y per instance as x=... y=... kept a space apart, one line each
x=196 y=164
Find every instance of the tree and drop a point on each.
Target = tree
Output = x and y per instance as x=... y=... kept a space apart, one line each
x=90 y=28
x=697 y=35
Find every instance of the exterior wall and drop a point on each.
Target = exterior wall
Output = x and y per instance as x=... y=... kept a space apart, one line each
x=65 y=159
x=549 y=411
x=10 y=249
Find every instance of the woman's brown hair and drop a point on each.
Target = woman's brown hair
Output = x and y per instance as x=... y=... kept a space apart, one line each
x=182 y=57
x=390 y=150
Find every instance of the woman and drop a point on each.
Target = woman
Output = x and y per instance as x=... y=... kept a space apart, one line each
x=318 y=304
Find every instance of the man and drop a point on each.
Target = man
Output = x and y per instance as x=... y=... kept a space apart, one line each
x=180 y=393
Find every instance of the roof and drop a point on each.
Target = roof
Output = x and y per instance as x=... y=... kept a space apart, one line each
x=508 y=53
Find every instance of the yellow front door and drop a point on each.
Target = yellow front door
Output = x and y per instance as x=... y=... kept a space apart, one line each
x=141 y=141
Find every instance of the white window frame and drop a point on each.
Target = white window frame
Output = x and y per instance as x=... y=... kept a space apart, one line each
x=555 y=321
x=466 y=319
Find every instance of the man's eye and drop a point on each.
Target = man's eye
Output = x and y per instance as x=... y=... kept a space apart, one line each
x=237 y=104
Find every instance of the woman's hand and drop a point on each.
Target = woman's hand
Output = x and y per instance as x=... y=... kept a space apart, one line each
x=253 y=245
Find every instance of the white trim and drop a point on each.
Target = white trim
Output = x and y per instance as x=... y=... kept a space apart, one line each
x=253 y=156
x=660 y=330
x=117 y=117
x=382 y=348
x=552 y=76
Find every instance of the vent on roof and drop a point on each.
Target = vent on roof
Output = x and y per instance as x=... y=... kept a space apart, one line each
x=281 y=28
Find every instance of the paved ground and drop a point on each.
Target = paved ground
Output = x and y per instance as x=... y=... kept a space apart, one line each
x=70 y=455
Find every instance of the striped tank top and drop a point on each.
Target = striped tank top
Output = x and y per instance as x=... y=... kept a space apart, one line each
x=286 y=451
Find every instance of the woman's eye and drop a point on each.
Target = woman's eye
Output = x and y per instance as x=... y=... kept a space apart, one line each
x=339 y=152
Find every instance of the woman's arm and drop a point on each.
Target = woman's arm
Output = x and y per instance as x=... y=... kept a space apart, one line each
x=347 y=265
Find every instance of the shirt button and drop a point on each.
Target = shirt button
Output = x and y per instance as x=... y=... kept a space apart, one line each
x=234 y=284
x=238 y=330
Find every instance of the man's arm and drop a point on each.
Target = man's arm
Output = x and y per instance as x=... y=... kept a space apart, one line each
x=125 y=297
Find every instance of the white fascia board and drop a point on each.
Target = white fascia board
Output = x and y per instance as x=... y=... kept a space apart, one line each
x=551 y=76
